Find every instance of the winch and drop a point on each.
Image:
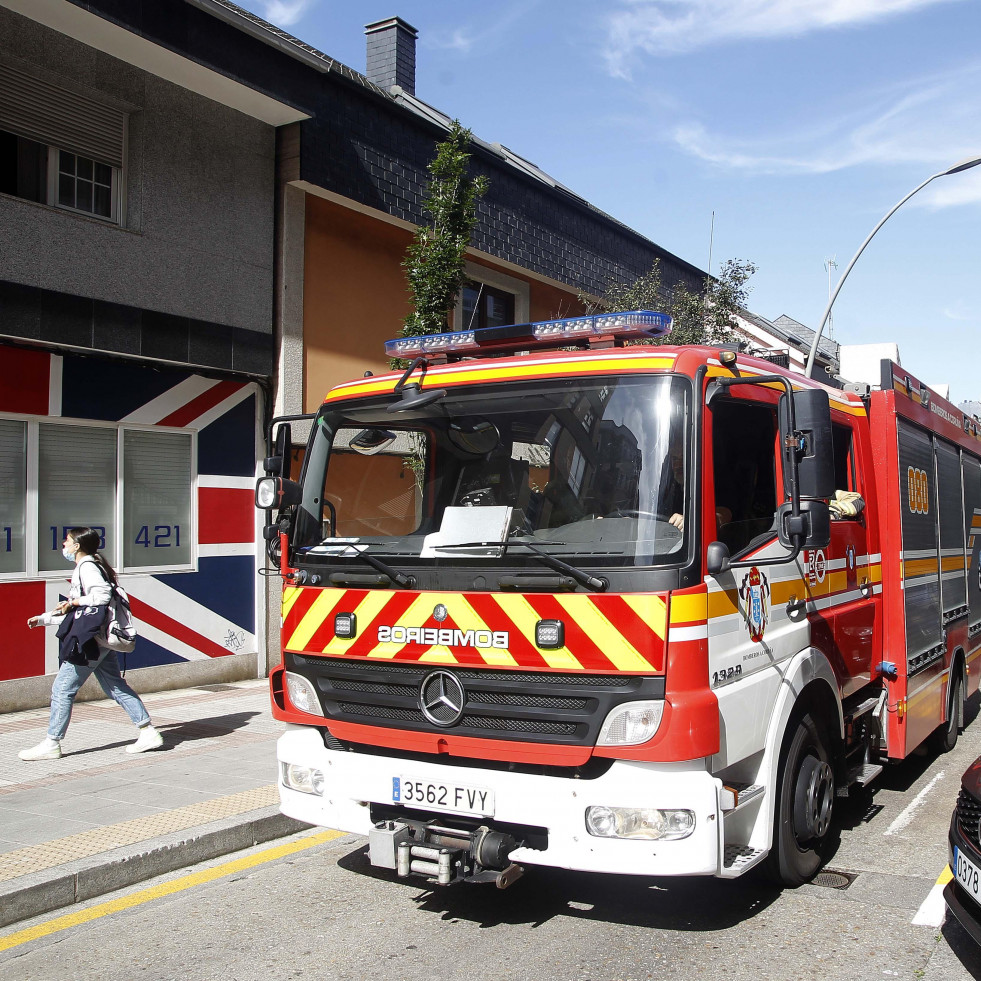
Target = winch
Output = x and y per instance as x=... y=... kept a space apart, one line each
x=446 y=855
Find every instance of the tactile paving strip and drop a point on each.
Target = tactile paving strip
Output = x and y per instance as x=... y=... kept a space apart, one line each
x=37 y=858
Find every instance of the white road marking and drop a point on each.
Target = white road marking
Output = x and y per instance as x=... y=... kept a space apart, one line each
x=915 y=804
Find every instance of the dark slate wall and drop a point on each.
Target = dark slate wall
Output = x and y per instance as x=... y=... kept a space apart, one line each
x=361 y=145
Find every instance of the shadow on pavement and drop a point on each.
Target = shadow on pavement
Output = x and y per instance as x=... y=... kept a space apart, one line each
x=687 y=905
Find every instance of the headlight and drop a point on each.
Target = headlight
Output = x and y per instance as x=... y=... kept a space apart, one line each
x=650 y=823
x=305 y=779
x=267 y=493
x=302 y=694
x=631 y=724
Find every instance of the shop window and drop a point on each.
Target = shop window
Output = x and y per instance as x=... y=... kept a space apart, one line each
x=156 y=499
x=135 y=487
x=13 y=493
x=76 y=488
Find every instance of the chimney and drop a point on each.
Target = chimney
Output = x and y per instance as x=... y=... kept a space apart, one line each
x=392 y=54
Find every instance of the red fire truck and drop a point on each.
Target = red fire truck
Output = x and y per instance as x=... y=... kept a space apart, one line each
x=550 y=599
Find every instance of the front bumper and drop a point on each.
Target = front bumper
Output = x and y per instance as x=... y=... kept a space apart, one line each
x=353 y=781
x=965 y=909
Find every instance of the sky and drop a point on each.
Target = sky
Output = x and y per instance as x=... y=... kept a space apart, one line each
x=774 y=131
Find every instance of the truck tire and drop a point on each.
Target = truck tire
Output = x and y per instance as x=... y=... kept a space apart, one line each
x=944 y=738
x=804 y=804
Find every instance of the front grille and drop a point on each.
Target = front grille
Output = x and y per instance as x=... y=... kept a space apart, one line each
x=566 y=709
x=968 y=816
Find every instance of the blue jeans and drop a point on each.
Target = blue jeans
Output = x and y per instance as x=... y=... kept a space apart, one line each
x=71 y=677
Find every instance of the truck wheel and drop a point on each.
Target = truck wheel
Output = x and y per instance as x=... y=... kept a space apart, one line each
x=805 y=800
x=944 y=738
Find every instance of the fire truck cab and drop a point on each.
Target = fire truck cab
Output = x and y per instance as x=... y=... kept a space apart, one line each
x=640 y=609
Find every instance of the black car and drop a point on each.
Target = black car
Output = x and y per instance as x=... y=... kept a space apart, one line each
x=963 y=892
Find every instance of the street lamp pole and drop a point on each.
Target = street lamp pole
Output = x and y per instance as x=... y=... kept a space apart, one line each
x=966 y=164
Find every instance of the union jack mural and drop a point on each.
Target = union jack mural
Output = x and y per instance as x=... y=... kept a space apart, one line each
x=207 y=608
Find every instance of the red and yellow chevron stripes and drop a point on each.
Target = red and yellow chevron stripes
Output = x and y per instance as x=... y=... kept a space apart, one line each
x=603 y=633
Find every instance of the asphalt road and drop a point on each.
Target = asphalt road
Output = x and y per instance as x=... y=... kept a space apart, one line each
x=320 y=911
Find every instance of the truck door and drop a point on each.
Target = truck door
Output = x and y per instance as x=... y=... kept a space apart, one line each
x=842 y=578
x=751 y=632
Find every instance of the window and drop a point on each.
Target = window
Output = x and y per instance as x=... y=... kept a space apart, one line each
x=486 y=306
x=156 y=498
x=135 y=487
x=56 y=177
x=85 y=185
x=744 y=470
x=23 y=168
x=13 y=493
x=491 y=299
x=59 y=147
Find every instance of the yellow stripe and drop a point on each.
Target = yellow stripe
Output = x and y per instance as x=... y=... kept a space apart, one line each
x=722 y=604
x=919 y=567
x=290 y=595
x=652 y=610
x=366 y=611
x=471 y=375
x=603 y=634
x=521 y=613
x=689 y=609
x=163 y=889
x=945 y=876
x=326 y=600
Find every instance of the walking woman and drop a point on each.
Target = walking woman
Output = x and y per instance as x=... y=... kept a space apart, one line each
x=81 y=654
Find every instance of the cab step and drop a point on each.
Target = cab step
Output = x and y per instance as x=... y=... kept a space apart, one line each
x=735 y=796
x=737 y=859
x=860 y=776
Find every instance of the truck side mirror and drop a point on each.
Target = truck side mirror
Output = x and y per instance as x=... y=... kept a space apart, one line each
x=717 y=558
x=811 y=528
x=279 y=463
x=813 y=449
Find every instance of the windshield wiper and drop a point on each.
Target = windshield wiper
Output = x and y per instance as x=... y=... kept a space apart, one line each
x=399 y=578
x=583 y=578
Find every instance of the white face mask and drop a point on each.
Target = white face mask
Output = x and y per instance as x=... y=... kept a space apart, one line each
x=69 y=555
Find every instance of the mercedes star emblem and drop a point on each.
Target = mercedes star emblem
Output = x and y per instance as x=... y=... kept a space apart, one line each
x=441 y=698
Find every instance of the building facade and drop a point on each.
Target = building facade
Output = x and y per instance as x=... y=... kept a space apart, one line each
x=204 y=221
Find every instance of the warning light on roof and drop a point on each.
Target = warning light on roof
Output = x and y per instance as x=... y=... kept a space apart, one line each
x=629 y=325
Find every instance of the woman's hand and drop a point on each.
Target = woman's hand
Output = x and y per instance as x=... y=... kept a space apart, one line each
x=34 y=622
x=64 y=606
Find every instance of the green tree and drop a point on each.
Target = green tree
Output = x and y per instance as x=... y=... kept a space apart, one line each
x=706 y=317
x=434 y=262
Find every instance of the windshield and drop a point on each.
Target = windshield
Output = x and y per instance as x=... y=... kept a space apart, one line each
x=595 y=469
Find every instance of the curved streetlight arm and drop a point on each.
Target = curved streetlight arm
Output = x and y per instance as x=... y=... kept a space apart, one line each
x=955 y=169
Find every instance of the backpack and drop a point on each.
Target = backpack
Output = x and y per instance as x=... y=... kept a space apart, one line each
x=120 y=628
x=119 y=631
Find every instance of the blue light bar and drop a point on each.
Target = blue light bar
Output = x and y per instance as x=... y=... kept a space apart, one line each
x=629 y=325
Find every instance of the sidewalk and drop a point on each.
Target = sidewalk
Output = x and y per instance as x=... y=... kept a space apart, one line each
x=100 y=819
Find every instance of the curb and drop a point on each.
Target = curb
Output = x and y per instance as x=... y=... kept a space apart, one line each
x=42 y=892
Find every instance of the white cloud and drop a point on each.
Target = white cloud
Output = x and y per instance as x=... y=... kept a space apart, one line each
x=670 y=27
x=933 y=121
x=283 y=13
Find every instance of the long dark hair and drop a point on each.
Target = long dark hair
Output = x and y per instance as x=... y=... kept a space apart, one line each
x=88 y=540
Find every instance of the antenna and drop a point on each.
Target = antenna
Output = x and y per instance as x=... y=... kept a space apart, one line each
x=829 y=265
x=711 y=238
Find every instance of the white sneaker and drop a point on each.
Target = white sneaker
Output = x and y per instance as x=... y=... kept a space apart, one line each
x=47 y=749
x=149 y=738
